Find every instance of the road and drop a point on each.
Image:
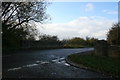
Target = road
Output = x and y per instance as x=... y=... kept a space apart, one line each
x=44 y=64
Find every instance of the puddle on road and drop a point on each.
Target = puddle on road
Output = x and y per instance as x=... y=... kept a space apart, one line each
x=60 y=60
x=67 y=64
x=56 y=60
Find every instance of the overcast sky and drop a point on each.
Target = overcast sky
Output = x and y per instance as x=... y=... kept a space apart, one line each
x=80 y=19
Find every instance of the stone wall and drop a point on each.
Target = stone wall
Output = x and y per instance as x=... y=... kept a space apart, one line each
x=39 y=44
x=114 y=51
x=102 y=48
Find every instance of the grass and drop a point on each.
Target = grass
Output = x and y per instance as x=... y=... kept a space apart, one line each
x=102 y=64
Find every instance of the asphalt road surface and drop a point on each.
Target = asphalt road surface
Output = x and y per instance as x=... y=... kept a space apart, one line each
x=44 y=64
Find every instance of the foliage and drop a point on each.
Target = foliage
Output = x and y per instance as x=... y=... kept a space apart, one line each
x=113 y=35
x=18 y=21
x=45 y=42
x=91 y=41
x=50 y=40
x=23 y=12
x=48 y=37
x=78 y=42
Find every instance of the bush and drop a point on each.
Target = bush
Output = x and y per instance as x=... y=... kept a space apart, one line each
x=113 y=35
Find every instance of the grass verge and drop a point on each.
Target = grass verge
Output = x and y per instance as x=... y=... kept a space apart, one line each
x=105 y=65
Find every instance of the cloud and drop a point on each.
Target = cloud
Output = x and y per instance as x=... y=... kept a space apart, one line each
x=110 y=12
x=94 y=26
x=89 y=7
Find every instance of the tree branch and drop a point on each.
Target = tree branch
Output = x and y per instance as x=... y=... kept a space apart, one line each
x=10 y=15
x=19 y=24
x=9 y=3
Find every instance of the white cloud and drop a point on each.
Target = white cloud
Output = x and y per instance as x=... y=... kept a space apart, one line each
x=100 y=34
x=94 y=26
x=89 y=7
x=110 y=12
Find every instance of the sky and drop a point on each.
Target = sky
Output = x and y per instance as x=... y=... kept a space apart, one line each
x=80 y=19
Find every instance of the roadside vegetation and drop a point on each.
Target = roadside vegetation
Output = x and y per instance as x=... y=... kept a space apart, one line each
x=18 y=22
x=113 y=35
x=101 y=63
x=78 y=42
x=19 y=29
x=106 y=65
